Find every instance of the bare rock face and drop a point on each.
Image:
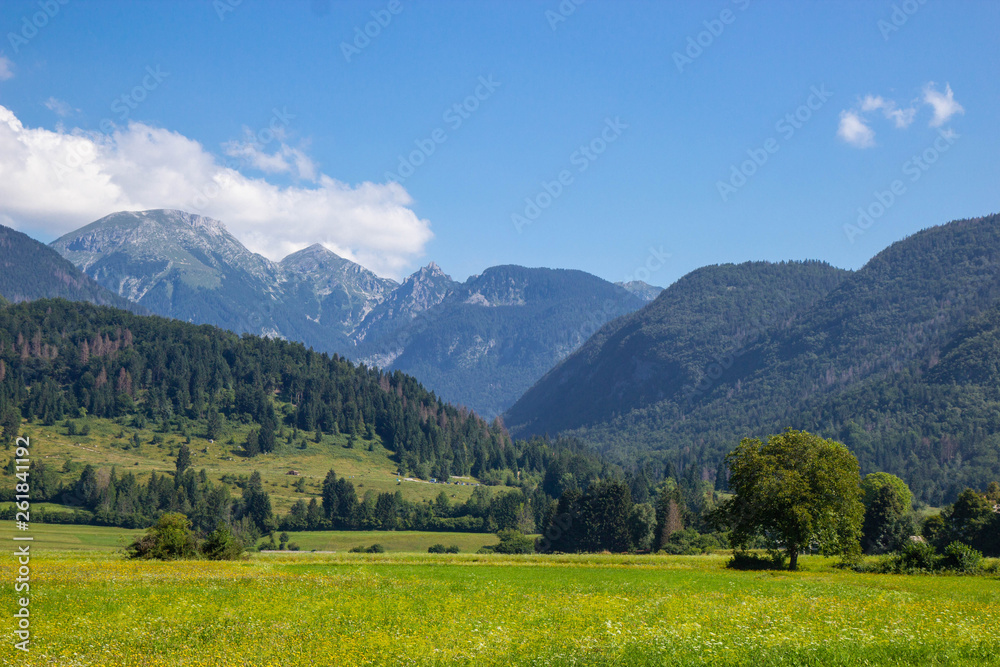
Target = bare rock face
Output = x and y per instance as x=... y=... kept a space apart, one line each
x=190 y=267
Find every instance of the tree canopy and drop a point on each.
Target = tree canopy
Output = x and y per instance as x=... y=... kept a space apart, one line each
x=795 y=492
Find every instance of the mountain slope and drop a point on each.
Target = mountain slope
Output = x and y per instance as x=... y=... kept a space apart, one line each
x=674 y=345
x=421 y=291
x=331 y=290
x=30 y=270
x=189 y=267
x=860 y=364
x=480 y=344
x=490 y=338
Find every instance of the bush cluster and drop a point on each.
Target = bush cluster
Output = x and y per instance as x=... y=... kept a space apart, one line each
x=171 y=539
x=747 y=560
x=918 y=557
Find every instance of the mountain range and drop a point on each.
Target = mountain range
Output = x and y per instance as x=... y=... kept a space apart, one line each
x=899 y=360
x=481 y=343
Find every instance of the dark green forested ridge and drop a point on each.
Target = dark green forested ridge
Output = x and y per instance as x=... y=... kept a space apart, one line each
x=30 y=270
x=897 y=360
x=667 y=348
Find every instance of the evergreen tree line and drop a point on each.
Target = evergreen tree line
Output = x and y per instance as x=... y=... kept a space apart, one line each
x=59 y=360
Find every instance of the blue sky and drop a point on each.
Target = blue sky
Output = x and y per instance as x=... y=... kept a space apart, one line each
x=661 y=135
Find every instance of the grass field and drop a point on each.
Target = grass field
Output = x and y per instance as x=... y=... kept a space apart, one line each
x=391 y=609
x=402 y=541
x=55 y=537
x=107 y=445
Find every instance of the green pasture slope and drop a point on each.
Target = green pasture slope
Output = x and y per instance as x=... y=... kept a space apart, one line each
x=106 y=446
x=93 y=608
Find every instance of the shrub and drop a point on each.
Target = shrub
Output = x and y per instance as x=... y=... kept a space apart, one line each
x=690 y=542
x=960 y=557
x=292 y=546
x=222 y=545
x=746 y=560
x=171 y=538
x=513 y=542
x=373 y=549
x=442 y=549
x=915 y=557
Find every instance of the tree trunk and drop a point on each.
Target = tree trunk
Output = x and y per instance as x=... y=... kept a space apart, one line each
x=793 y=558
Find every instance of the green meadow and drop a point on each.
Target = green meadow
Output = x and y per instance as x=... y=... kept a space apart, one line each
x=96 y=608
x=49 y=537
x=368 y=465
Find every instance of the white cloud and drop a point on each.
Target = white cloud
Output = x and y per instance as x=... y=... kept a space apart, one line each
x=854 y=126
x=854 y=131
x=944 y=104
x=6 y=68
x=56 y=181
x=59 y=107
x=284 y=160
x=901 y=117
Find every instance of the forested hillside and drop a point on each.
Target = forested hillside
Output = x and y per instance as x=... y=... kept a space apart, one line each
x=60 y=359
x=30 y=270
x=895 y=360
x=670 y=348
x=67 y=365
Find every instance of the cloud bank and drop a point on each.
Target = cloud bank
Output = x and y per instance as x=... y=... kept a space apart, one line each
x=56 y=181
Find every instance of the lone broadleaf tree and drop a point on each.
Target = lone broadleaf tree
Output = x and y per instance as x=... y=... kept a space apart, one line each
x=798 y=491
